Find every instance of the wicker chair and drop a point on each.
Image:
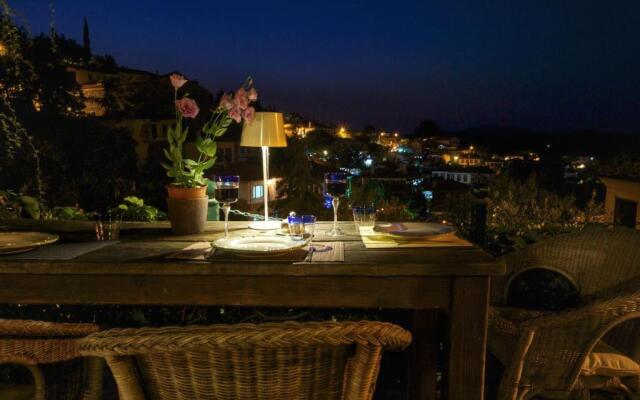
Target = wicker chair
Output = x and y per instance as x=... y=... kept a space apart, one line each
x=50 y=352
x=544 y=352
x=246 y=361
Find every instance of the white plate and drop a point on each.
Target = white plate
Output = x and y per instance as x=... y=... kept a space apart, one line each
x=260 y=244
x=17 y=242
x=414 y=229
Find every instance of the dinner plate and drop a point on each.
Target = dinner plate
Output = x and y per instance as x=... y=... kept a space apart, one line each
x=19 y=242
x=414 y=230
x=256 y=245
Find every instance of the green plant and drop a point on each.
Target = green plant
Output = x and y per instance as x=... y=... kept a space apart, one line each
x=15 y=205
x=519 y=214
x=134 y=209
x=233 y=107
x=67 y=213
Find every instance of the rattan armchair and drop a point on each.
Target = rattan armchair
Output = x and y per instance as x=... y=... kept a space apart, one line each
x=246 y=361
x=543 y=352
x=50 y=352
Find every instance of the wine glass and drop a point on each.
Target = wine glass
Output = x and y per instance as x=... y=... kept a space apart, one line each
x=336 y=187
x=226 y=192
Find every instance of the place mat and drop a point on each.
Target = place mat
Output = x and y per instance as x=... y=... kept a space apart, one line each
x=219 y=255
x=325 y=252
x=195 y=251
x=375 y=240
x=60 y=251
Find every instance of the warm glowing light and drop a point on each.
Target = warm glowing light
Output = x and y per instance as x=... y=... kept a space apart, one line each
x=3 y=49
x=471 y=148
x=581 y=166
x=325 y=152
x=455 y=158
x=395 y=135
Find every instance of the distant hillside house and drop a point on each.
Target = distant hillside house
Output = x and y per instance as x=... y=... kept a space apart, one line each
x=91 y=82
x=494 y=164
x=145 y=131
x=252 y=190
x=469 y=161
x=467 y=176
x=622 y=202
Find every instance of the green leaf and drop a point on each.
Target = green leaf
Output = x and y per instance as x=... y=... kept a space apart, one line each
x=209 y=163
x=208 y=147
x=167 y=154
x=220 y=131
x=134 y=200
x=31 y=206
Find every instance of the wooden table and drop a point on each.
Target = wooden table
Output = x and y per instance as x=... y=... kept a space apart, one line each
x=453 y=279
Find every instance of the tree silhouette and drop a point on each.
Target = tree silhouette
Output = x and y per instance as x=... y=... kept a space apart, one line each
x=427 y=128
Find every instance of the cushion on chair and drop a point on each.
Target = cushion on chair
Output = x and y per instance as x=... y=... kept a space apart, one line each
x=605 y=360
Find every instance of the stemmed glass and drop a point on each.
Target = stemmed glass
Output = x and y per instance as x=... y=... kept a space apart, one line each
x=227 y=188
x=336 y=187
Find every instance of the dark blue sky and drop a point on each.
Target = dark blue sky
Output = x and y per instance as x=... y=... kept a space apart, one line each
x=539 y=64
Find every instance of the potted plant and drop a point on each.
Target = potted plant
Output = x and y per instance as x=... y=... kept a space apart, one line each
x=187 y=197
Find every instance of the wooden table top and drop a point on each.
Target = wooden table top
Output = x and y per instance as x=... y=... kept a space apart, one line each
x=144 y=246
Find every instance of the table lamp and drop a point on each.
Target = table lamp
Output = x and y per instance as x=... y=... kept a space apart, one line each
x=266 y=130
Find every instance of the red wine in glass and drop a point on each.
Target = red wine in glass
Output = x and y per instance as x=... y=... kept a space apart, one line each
x=226 y=194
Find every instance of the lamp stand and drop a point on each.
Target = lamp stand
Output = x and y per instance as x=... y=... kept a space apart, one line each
x=265 y=225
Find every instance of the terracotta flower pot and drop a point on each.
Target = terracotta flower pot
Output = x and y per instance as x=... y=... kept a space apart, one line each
x=178 y=192
x=188 y=216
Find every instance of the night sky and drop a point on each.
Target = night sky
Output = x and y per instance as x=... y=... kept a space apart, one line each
x=540 y=64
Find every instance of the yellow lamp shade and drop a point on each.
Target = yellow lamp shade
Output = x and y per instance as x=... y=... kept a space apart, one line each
x=267 y=129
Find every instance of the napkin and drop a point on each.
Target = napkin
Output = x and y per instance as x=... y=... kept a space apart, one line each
x=376 y=240
x=60 y=251
x=325 y=252
x=195 y=251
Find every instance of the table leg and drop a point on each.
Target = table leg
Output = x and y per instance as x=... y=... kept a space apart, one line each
x=423 y=355
x=467 y=353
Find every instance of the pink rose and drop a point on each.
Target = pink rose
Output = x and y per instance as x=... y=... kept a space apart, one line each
x=177 y=80
x=226 y=102
x=253 y=94
x=249 y=114
x=235 y=114
x=187 y=107
x=240 y=99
